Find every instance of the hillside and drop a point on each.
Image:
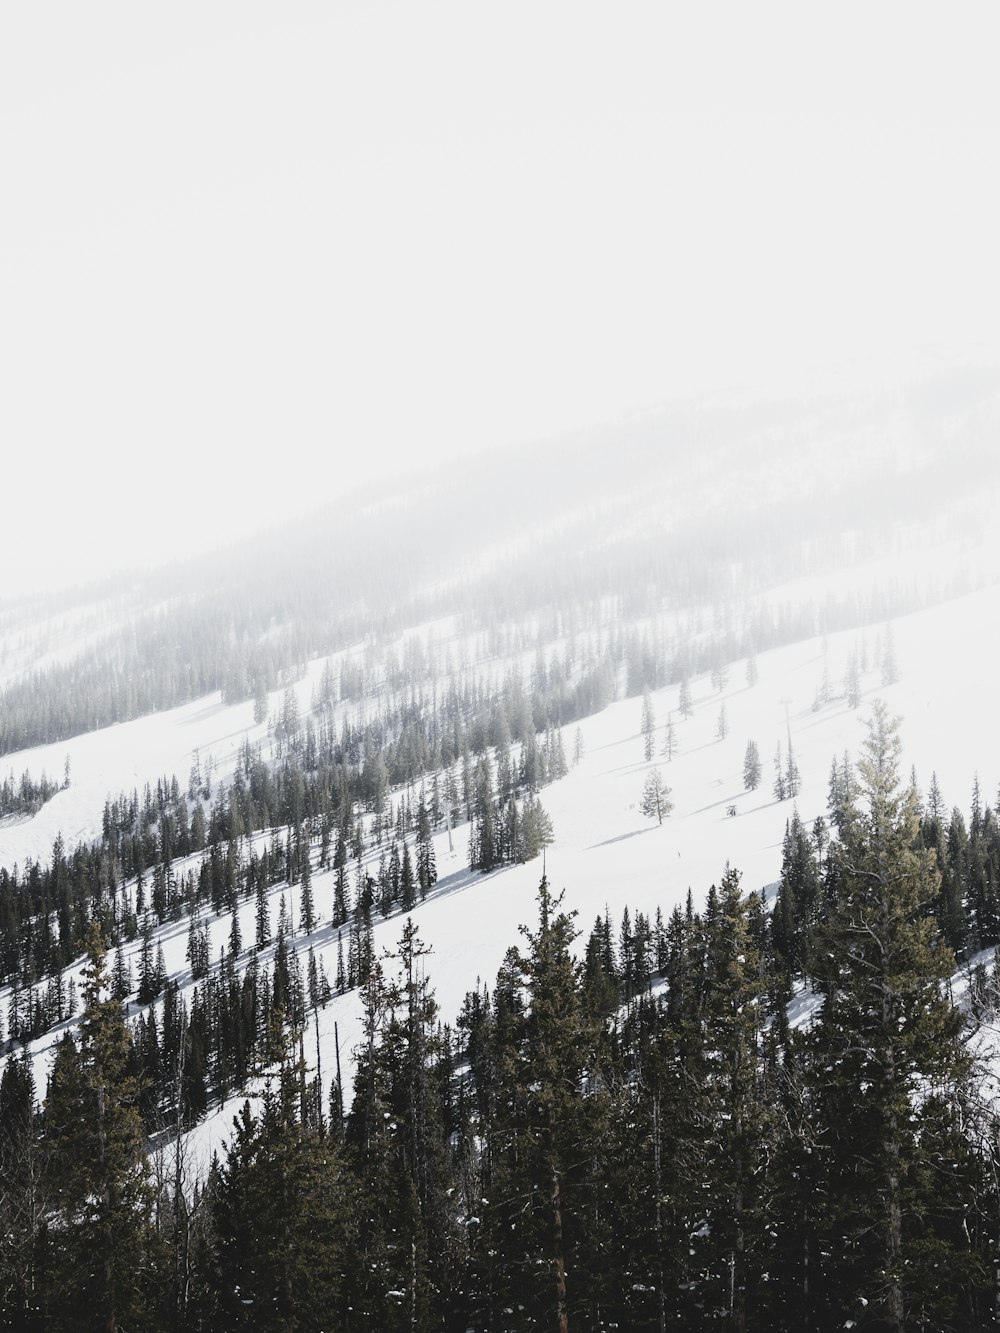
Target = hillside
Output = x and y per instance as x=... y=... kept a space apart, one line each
x=606 y=855
x=252 y=781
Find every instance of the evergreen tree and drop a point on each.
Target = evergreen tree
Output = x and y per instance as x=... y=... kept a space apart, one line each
x=426 y=860
x=544 y=1194
x=684 y=702
x=889 y=1071
x=751 y=767
x=307 y=903
x=235 y=935
x=793 y=781
x=890 y=669
x=780 y=788
x=669 y=739
x=104 y=1245
x=23 y=1199
x=278 y=1220
x=407 y=882
x=852 y=681
x=536 y=828
x=648 y=724
x=731 y=1222
x=262 y=915
x=656 y=801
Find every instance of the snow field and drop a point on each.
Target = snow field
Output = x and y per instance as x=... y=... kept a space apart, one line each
x=606 y=854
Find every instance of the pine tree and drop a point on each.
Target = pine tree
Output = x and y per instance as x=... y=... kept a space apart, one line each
x=23 y=1198
x=544 y=1194
x=780 y=789
x=93 y=1130
x=889 y=1071
x=150 y=981
x=648 y=724
x=656 y=801
x=235 y=935
x=577 y=746
x=793 y=781
x=278 y=1219
x=536 y=828
x=669 y=739
x=483 y=849
x=732 y=1213
x=684 y=702
x=307 y=903
x=751 y=767
x=852 y=681
x=262 y=915
x=426 y=860
x=407 y=882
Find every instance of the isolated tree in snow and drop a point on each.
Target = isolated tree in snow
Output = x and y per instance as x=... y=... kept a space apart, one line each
x=655 y=797
x=669 y=739
x=751 y=767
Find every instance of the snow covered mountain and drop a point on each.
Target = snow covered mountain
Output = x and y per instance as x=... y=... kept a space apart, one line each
x=542 y=597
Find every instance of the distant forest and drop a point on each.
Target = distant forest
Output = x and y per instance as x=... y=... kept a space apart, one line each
x=245 y=634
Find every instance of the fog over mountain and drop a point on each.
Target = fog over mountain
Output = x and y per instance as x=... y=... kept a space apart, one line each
x=499 y=619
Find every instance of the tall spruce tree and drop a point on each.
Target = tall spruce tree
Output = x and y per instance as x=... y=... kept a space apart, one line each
x=889 y=1073
x=103 y=1261
x=278 y=1214
x=546 y=1135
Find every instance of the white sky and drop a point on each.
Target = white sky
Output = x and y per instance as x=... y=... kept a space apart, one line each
x=253 y=253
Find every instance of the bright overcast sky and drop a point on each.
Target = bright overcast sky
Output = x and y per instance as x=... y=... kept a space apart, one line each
x=251 y=253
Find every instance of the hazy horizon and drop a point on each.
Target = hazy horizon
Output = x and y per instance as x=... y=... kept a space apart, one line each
x=251 y=259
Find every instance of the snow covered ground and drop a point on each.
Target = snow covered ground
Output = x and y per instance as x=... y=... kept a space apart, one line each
x=606 y=853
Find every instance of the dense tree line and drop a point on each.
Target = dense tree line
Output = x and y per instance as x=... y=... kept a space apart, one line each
x=632 y=1135
x=315 y=784
x=250 y=624
x=26 y=795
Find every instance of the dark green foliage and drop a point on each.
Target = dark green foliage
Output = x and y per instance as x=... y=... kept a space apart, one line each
x=101 y=1262
x=277 y=1220
x=628 y=1135
x=887 y=1071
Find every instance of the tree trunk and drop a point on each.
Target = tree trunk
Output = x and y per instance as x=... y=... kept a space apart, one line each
x=562 y=1318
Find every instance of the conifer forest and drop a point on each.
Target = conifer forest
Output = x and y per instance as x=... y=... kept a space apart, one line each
x=499 y=630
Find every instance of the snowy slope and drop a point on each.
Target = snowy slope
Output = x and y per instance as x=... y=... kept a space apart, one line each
x=606 y=854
